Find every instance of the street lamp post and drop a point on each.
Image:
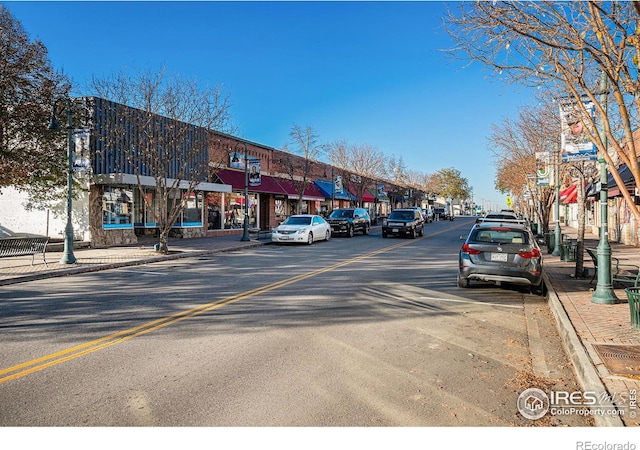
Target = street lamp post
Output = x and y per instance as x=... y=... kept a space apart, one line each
x=245 y=225
x=67 y=256
x=603 y=292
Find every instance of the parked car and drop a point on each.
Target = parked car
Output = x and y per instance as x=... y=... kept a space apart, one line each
x=501 y=217
x=403 y=222
x=420 y=210
x=349 y=221
x=428 y=214
x=498 y=252
x=442 y=214
x=305 y=228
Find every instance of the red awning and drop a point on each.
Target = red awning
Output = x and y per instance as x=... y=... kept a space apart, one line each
x=366 y=196
x=235 y=178
x=568 y=193
x=311 y=192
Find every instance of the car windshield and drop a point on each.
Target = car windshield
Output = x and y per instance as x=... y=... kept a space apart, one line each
x=500 y=236
x=341 y=214
x=298 y=221
x=500 y=217
x=401 y=215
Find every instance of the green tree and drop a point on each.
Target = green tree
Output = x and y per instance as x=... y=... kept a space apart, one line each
x=449 y=183
x=31 y=157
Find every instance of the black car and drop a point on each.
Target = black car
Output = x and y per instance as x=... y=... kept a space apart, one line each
x=404 y=222
x=349 y=221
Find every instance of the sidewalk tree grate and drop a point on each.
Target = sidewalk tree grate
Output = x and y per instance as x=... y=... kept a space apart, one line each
x=620 y=359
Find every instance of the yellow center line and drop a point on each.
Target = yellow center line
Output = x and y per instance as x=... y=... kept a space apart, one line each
x=35 y=365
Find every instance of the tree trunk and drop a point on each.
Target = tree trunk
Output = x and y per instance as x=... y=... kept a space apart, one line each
x=164 y=241
x=579 y=272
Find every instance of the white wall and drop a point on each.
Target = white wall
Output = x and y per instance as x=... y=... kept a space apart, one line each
x=51 y=222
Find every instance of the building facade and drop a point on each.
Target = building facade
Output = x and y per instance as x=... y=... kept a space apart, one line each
x=128 y=178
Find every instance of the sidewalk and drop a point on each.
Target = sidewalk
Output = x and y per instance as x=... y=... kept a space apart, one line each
x=584 y=326
x=603 y=348
x=19 y=269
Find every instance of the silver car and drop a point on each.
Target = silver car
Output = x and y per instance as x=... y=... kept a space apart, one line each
x=501 y=253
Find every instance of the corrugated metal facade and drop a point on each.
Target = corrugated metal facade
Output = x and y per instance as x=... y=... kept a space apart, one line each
x=117 y=129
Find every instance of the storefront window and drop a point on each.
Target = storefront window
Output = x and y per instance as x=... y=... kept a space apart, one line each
x=192 y=214
x=143 y=214
x=117 y=206
x=234 y=210
x=280 y=212
x=214 y=211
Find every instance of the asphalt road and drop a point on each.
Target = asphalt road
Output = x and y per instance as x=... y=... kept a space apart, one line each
x=360 y=331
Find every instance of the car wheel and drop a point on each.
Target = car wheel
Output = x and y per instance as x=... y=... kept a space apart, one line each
x=421 y=233
x=384 y=234
x=310 y=238
x=350 y=232
x=327 y=235
x=463 y=282
x=539 y=290
x=365 y=230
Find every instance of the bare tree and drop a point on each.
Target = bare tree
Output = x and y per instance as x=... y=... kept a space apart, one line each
x=584 y=49
x=514 y=144
x=297 y=162
x=162 y=126
x=31 y=157
x=362 y=164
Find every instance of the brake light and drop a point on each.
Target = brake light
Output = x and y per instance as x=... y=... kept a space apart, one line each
x=534 y=253
x=469 y=250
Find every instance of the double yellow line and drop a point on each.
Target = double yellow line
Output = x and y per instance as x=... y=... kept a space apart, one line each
x=68 y=354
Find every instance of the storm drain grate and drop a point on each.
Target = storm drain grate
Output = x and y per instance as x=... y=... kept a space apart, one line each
x=620 y=359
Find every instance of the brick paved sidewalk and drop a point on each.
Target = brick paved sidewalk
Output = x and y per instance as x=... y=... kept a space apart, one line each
x=18 y=269
x=596 y=326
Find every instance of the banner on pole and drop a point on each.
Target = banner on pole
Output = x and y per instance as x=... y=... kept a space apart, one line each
x=575 y=141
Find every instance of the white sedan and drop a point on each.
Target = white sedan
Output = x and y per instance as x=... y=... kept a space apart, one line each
x=306 y=228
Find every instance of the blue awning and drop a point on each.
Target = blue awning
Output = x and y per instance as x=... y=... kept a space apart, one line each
x=326 y=186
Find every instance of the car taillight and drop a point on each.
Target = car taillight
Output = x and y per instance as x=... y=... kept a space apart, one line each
x=534 y=253
x=469 y=250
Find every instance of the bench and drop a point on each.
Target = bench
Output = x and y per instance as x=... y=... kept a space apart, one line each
x=259 y=232
x=21 y=246
x=620 y=273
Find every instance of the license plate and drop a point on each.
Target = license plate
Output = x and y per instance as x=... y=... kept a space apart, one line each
x=501 y=257
x=285 y=238
x=394 y=230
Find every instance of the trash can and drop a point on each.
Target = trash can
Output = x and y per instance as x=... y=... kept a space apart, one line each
x=633 y=295
x=568 y=251
x=550 y=240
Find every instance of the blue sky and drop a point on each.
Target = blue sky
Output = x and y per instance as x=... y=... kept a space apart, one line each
x=367 y=72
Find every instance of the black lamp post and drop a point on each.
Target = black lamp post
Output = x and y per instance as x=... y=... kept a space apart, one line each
x=67 y=257
x=245 y=225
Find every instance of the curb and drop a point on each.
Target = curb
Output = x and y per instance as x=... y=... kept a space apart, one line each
x=585 y=369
